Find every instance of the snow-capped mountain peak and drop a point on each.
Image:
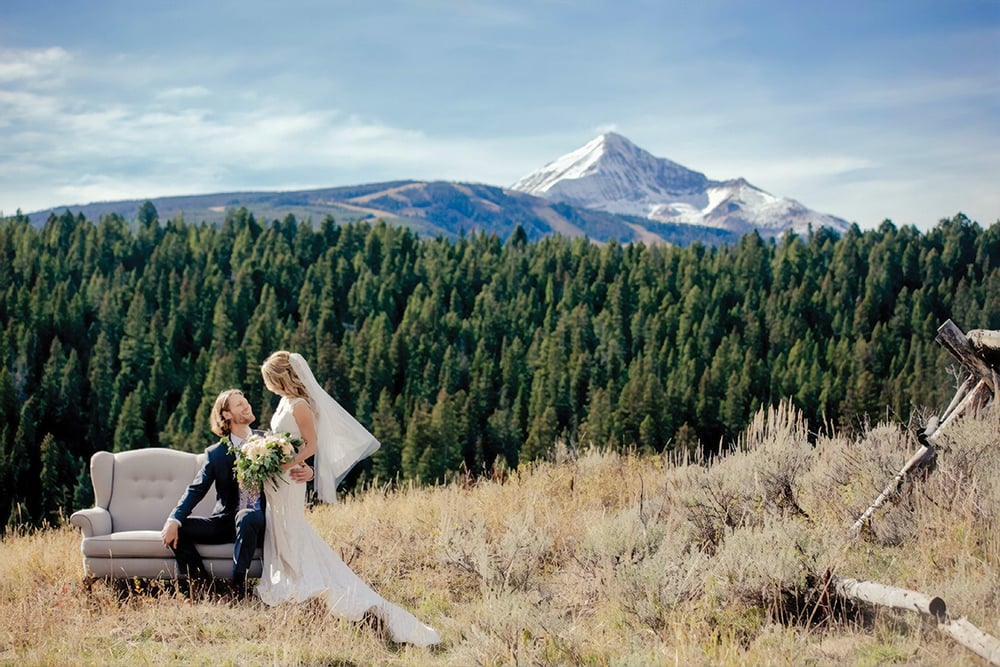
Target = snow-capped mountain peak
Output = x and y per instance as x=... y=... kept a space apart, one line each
x=612 y=174
x=621 y=170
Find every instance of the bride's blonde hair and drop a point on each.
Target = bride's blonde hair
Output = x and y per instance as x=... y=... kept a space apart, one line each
x=280 y=376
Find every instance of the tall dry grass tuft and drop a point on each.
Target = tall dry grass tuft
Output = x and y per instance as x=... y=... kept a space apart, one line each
x=593 y=558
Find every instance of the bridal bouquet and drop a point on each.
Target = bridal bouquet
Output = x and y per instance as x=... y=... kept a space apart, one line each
x=260 y=458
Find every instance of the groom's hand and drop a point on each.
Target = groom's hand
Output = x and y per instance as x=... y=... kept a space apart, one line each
x=301 y=473
x=169 y=533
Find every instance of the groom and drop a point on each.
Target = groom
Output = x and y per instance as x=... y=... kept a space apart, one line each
x=238 y=516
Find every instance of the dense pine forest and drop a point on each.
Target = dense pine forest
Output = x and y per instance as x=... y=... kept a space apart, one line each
x=461 y=355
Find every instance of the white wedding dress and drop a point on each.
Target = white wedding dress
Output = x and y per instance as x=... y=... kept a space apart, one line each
x=299 y=564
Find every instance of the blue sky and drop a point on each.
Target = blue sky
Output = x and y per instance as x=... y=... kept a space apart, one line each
x=865 y=109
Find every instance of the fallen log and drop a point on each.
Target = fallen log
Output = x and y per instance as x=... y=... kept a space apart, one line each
x=961 y=630
x=890 y=596
x=982 y=644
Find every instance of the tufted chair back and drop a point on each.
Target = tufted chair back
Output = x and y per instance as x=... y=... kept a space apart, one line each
x=140 y=487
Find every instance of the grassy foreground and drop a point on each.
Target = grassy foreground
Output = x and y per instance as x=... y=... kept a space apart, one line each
x=591 y=559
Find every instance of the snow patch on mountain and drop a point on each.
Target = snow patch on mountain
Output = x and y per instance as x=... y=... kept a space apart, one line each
x=612 y=174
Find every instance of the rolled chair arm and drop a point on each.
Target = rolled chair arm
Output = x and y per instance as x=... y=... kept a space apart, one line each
x=92 y=521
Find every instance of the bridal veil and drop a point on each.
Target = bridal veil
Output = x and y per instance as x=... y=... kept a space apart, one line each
x=341 y=440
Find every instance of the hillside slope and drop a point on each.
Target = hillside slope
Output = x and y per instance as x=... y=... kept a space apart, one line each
x=591 y=558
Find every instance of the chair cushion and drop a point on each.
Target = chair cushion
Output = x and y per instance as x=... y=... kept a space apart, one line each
x=147 y=544
x=125 y=544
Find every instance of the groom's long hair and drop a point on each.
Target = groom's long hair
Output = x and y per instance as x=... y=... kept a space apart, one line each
x=220 y=425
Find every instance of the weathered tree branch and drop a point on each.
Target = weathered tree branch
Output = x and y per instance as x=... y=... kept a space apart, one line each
x=985 y=646
x=963 y=390
x=890 y=596
x=979 y=355
x=976 y=398
x=925 y=453
x=965 y=633
x=952 y=339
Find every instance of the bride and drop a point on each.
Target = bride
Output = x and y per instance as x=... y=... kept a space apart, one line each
x=298 y=563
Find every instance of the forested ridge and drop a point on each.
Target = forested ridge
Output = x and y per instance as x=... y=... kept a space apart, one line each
x=460 y=355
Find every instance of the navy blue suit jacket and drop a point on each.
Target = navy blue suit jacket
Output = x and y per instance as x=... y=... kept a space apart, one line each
x=219 y=469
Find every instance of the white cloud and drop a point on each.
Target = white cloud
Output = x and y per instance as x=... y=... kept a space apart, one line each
x=19 y=105
x=32 y=67
x=794 y=169
x=97 y=150
x=183 y=93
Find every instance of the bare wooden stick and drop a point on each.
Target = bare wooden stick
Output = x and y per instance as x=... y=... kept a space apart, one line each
x=963 y=389
x=925 y=453
x=982 y=644
x=890 y=596
x=978 y=395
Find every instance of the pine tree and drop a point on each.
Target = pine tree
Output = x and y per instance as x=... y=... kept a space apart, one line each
x=598 y=428
x=447 y=428
x=22 y=464
x=55 y=479
x=130 y=430
x=542 y=435
x=418 y=444
x=387 y=460
x=83 y=492
x=530 y=341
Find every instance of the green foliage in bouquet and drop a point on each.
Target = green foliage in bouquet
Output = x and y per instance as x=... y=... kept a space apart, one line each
x=261 y=457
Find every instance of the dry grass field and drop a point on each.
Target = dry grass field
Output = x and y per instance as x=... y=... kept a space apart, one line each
x=590 y=559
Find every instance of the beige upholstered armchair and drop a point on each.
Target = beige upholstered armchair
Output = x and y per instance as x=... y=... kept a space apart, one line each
x=134 y=491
